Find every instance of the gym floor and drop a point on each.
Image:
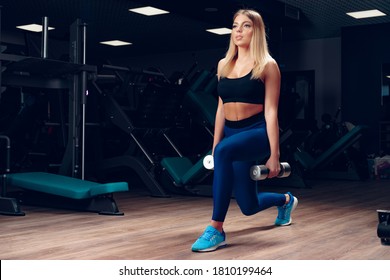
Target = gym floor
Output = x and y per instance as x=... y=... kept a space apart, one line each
x=335 y=220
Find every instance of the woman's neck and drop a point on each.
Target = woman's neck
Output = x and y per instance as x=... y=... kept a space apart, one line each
x=244 y=56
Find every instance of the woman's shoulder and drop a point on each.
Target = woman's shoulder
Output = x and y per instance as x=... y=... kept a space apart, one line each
x=271 y=70
x=221 y=63
x=270 y=66
x=270 y=62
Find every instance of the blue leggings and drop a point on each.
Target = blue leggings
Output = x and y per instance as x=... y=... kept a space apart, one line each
x=244 y=143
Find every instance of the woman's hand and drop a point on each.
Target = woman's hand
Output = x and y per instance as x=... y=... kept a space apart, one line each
x=273 y=166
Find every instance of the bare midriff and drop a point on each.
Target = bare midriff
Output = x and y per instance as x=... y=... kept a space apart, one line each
x=236 y=111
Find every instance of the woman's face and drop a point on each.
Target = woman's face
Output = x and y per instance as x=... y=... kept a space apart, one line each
x=242 y=31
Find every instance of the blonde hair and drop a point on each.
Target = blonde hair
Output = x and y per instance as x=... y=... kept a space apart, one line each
x=258 y=46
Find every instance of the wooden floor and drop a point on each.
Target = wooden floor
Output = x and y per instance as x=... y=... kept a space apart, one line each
x=334 y=220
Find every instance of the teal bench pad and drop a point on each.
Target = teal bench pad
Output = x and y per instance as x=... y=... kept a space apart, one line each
x=62 y=185
x=183 y=171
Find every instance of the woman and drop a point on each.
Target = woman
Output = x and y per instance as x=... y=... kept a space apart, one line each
x=246 y=129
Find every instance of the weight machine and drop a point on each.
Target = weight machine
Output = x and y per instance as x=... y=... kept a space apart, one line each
x=68 y=188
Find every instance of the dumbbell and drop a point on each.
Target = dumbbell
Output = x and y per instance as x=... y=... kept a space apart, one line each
x=257 y=172
x=260 y=172
x=208 y=162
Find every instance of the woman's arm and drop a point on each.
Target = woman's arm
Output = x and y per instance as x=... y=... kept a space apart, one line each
x=272 y=92
x=219 y=124
x=219 y=115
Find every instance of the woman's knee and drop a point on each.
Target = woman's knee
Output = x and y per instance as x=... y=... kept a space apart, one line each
x=221 y=152
x=248 y=204
x=248 y=211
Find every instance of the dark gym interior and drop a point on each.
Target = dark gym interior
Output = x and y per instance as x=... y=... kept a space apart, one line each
x=82 y=122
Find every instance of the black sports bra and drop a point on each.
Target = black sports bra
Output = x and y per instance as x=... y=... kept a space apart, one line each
x=242 y=89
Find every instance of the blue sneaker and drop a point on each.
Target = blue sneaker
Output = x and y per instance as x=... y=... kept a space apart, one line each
x=284 y=212
x=210 y=240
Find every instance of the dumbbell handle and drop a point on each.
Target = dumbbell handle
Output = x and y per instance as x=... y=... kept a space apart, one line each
x=260 y=172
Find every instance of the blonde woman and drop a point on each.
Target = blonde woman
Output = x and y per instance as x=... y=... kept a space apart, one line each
x=246 y=129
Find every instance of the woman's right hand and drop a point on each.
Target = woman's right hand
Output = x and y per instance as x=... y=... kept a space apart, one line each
x=273 y=166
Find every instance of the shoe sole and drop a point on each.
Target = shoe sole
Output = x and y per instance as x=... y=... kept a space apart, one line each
x=293 y=208
x=214 y=248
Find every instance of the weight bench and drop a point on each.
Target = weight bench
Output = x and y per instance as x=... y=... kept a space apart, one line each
x=315 y=167
x=185 y=174
x=57 y=191
x=67 y=192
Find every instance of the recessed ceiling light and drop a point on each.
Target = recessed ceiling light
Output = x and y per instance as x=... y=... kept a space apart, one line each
x=388 y=77
x=116 y=43
x=148 y=11
x=220 y=31
x=33 y=27
x=366 y=14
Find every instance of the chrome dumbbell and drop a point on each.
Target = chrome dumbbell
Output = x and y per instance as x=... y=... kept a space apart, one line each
x=208 y=162
x=260 y=172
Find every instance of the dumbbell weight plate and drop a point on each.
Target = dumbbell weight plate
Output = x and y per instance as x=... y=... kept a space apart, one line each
x=208 y=162
x=286 y=169
x=258 y=172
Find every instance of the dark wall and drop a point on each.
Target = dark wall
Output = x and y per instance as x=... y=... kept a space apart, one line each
x=323 y=56
x=364 y=49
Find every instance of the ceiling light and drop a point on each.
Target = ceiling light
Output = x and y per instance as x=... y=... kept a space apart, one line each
x=116 y=43
x=33 y=27
x=148 y=11
x=220 y=31
x=366 y=14
x=388 y=77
